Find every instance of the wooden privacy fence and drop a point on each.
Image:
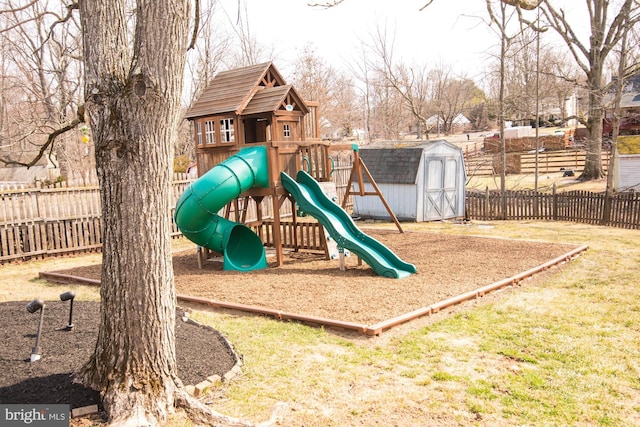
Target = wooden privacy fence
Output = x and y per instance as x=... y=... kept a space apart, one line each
x=525 y=163
x=618 y=210
x=39 y=222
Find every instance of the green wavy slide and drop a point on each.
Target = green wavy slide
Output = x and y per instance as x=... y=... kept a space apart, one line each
x=312 y=200
x=196 y=213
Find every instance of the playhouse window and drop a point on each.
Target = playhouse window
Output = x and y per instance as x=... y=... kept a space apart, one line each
x=198 y=133
x=210 y=131
x=226 y=130
x=286 y=130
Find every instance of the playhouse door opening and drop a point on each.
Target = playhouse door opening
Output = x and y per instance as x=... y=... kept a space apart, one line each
x=255 y=130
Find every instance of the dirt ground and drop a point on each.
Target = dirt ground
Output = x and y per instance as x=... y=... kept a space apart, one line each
x=308 y=284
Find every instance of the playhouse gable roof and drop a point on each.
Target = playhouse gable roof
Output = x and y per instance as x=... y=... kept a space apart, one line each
x=274 y=98
x=231 y=91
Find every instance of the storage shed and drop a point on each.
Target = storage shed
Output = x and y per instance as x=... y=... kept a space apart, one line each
x=423 y=181
x=627 y=164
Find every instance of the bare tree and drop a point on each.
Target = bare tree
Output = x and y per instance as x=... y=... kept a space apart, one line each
x=363 y=72
x=134 y=67
x=388 y=113
x=43 y=74
x=607 y=26
x=621 y=80
x=207 y=54
x=208 y=51
x=315 y=80
x=559 y=81
x=501 y=19
x=132 y=101
x=344 y=106
x=134 y=61
x=410 y=82
x=250 y=50
x=452 y=96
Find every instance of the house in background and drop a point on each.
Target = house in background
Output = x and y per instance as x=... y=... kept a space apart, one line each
x=629 y=108
x=44 y=170
x=459 y=123
x=629 y=114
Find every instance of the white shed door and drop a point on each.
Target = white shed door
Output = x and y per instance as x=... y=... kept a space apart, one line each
x=441 y=176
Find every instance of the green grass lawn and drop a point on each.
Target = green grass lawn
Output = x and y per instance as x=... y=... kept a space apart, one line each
x=560 y=350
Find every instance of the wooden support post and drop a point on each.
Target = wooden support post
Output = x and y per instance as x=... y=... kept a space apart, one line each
x=277 y=236
x=294 y=217
x=200 y=260
x=258 y=200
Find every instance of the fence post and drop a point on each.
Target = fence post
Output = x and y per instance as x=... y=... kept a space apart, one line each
x=606 y=211
x=554 y=198
x=486 y=203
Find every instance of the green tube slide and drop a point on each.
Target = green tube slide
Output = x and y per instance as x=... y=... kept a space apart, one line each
x=196 y=213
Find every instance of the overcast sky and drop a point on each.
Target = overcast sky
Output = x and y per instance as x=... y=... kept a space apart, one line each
x=448 y=32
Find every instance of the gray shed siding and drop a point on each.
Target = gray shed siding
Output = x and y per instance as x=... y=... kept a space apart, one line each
x=401 y=197
x=422 y=183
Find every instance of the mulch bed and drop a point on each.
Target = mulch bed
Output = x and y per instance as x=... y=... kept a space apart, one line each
x=201 y=351
x=308 y=284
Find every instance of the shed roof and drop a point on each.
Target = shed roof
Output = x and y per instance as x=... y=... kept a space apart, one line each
x=232 y=91
x=392 y=165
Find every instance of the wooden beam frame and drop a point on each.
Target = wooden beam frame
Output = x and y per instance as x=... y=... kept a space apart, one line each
x=356 y=170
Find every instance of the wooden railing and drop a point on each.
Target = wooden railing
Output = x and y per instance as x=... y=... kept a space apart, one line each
x=315 y=157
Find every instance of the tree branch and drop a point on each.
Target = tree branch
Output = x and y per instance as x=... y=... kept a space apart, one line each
x=19 y=24
x=426 y=5
x=70 y=9
x=327 y=4
x=50 y=141
x=196 y=25
x=18 y=9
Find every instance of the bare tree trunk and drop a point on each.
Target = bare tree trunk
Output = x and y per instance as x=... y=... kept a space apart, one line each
x=606 y=215
x=503 y=141
x=593 y=159
x=133 y=103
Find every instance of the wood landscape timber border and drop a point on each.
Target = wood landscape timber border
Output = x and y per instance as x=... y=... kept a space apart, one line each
x=378 y=328
x=370 y=330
